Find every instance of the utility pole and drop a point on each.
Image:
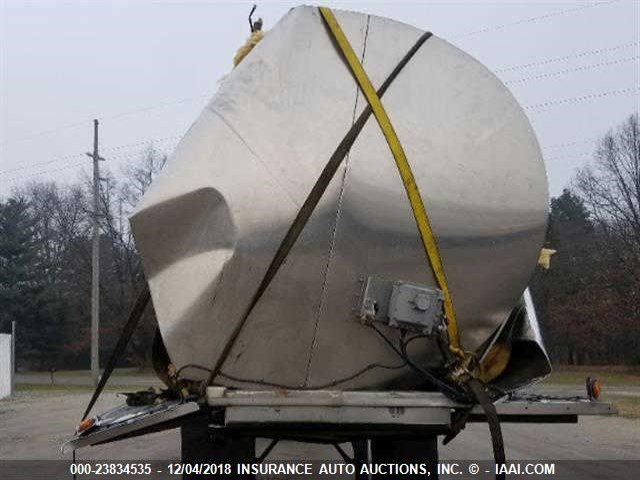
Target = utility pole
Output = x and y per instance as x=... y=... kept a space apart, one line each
x=95 y=261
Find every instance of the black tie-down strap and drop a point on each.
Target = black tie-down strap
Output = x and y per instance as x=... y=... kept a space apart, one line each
x=135 y=315
x=482 y=397
x=478 y=393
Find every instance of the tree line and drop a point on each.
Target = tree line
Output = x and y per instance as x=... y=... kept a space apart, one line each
x=588 y=301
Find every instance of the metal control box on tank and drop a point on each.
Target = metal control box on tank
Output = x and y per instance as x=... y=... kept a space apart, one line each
x=210 y=224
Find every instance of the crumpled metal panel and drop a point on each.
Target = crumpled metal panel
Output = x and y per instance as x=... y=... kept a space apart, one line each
x=529 y=362
x=212 y=221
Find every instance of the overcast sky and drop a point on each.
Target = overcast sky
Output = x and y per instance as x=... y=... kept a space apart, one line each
x=146 y=69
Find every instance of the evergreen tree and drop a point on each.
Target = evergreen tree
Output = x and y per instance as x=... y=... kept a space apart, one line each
x=18 y=283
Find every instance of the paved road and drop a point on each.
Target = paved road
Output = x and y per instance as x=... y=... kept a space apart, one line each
x=33 y=425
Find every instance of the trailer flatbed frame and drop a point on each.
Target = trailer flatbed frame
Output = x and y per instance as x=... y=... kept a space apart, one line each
x=320 y=405
x=330 y=416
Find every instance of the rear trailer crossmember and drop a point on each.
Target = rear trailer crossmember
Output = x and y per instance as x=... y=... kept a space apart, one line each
x=382 y=427
x=346 y=413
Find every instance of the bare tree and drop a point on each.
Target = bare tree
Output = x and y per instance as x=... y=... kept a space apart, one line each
x=611 y=190
x=139 y=174
x=610 y=187
x=60 y=215
x=118 y=197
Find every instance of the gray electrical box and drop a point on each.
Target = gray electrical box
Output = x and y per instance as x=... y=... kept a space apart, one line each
x=415 y=307
x=402 y=305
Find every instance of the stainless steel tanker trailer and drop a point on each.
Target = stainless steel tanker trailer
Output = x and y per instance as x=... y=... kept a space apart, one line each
x=339 y=248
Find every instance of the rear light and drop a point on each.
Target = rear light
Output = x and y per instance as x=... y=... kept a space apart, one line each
x=86 y=424
x=594 y=389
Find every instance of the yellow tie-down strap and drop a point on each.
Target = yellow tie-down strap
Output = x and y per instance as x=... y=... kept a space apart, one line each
x=413 y=193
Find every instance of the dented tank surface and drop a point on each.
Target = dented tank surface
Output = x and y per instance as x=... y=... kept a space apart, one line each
x=211 y=222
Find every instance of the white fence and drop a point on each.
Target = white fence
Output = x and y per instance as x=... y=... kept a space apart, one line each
x=5 y=365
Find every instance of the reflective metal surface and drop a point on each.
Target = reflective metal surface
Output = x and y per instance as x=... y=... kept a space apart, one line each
x=124 y=421
x=514 y=356
x=211 y=222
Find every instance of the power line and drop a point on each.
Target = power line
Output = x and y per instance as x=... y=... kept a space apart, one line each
x=65 y=167
x=71 y=156
x=39 y=164
x=133 y=155
x=571 y=143
x=45 y=132
x=582 y=98
x=570 y=70
x=566 y=57
x=573 y=155
x=108 y=117
x=22 y=177
x=154 y=107
x=121 y=156
x=536 y=18
x=141 y=142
